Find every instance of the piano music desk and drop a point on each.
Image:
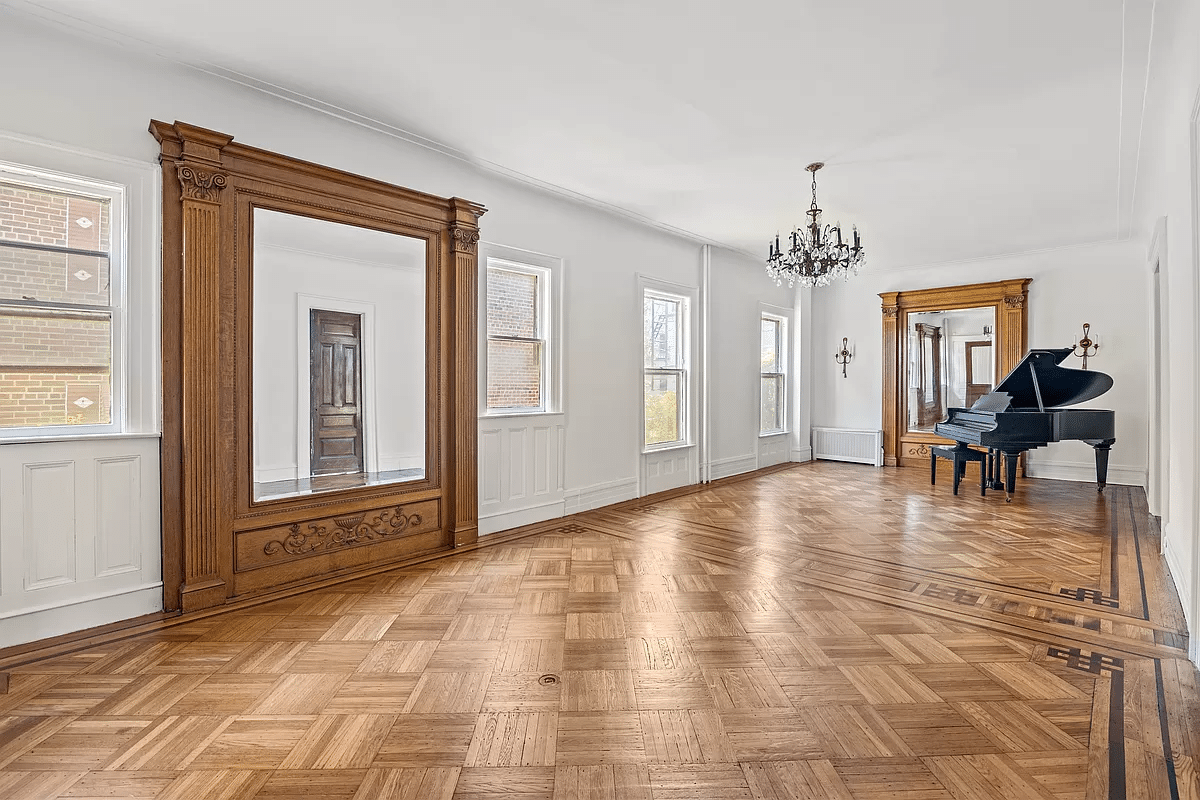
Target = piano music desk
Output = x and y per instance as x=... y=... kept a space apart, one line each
x=959 y=456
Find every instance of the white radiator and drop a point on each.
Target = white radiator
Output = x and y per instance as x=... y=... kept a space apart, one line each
x=843 y=444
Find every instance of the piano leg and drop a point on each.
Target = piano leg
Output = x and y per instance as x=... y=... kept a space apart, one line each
x=993 y=468
x=1102 y=446
x=1011 y=475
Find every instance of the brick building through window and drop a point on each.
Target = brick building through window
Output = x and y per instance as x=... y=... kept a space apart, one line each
x=56 y=304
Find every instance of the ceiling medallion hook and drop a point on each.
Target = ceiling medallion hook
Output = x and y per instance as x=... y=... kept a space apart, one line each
x=817 y=254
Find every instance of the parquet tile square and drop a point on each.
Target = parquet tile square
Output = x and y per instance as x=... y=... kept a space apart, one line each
x=595 y=625
x=448 y=693
x=82 y=744
x=76 y=696
x=226 y=695
x=959 y=682
x=671 y=689
x=148 y=694
x=679 y=782
x=587 y=602
x=1015 y=727
x=711 y=624
x=225 y=784
x=736 y=652
x=917 y=648
x=1030 y=681
x=397 y=655
x=817 y=686
x=340 y=742
x=426 y=740
x=537 y=626
x=889 y=683
x=36 y=785
x=657 y=624
x=264 y=658
x=795 y=780
x=529 y=655
x=987 y=777
x=514 y=739
x=468 y=656
x=515 y=783
x=591 y=654
x=602 y=782
x=252 y=743
x=196 y=657
x=334 y=657
x=854 y=732
x=741 y=688
x=299 y=693
x=373 y=693
x=167 y=743
x=106 y=785
x=599 y=737
x=312 y=784
x=597 y=690
x=852 y=650
x=684 y=736
x=770 y=735
x=659 y=652
x=537 y=603
x=299 y=628
x=892 y=778
x=521 y=691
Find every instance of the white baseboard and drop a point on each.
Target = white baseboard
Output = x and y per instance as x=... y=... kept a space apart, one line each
x=505 y=520
x=1179 y=578
x=802 y=453
x=269 y=474
x=735 y=465
x=42 y=622
x=602 y=494
x=1085 y=472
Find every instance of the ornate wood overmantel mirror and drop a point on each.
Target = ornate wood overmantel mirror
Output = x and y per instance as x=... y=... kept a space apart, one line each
x=319 y=350
x=944 y=348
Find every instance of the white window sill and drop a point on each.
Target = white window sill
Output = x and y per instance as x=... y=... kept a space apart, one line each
x=523 y=413
x=82 y=437
x=660 y=448
x=772 y=434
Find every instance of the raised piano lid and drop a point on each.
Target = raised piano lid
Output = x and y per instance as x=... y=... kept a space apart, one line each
x=1060 y=386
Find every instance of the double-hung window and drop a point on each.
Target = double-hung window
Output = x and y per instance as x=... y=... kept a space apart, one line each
x=61 y=304
x=664 y=346
x=772 y=408
x=518 y=339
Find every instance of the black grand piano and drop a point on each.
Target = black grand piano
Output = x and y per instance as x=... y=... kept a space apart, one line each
x=1025 y=412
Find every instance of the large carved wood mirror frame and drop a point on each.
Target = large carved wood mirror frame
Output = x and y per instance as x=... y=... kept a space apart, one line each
x=219 y=542
x=902 y=446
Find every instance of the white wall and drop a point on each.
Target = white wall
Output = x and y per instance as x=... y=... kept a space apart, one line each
x=1102 y=284
x=92 y=95
x=1165 y=192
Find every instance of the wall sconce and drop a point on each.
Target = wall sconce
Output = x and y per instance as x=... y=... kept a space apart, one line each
x=1085 y=344
x=843 y=356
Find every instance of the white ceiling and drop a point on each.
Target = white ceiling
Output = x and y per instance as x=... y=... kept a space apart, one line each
x=952 y=129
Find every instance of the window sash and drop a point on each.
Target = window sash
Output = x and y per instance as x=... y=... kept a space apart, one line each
x=680 y=376
x=541 y=340
x=114 y=311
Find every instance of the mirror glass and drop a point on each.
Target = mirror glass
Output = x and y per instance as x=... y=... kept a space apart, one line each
x=339 y=356
x=951 y=362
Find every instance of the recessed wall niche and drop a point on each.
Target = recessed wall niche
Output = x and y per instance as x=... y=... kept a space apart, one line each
x=223 y=536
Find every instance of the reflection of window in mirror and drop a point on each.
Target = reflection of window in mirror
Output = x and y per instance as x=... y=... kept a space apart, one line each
x=978 y=358
x=338 y=356
x=951 y=362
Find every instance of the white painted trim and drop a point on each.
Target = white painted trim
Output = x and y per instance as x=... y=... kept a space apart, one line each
x=1158 y=315
x=39 y=622
x=1193 y=575
x=1174 y=571
x=600 y=494
x=802 y=454
x=506 y=520
x=1085 y=472
x=91 y=437
x=734 y=465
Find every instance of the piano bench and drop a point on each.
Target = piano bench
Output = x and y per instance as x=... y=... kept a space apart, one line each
x=959 y=456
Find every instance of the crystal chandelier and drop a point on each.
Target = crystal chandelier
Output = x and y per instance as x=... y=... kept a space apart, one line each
x=817 y=255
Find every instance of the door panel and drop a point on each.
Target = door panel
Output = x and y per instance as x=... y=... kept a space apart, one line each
x=336 y=363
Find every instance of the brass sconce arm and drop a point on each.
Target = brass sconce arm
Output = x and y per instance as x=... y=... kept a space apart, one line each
x=1084 y=345
x=844 y=355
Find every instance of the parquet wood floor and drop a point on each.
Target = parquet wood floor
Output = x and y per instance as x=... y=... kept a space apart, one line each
x=820 y=631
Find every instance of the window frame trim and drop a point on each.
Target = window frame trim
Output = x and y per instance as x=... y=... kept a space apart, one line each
x=117 y=194
x=548 y=319
x=688 y=299
x=783 y=363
